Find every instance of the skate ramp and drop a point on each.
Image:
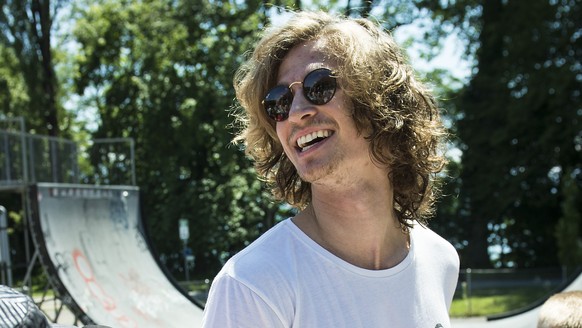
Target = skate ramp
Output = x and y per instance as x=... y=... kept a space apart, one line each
x=525 y=319
x=92 y=245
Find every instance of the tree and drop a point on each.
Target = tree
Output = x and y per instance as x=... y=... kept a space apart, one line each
x=568 y=230
x=161 y=73
x=519 y=125
x=31 y=84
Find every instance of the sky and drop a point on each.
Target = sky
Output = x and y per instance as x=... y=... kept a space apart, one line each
x=450 y=58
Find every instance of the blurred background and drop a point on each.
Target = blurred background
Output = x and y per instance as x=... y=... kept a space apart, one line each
x=143 y=89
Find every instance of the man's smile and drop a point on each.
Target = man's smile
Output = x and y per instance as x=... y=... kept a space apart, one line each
x=309 y=140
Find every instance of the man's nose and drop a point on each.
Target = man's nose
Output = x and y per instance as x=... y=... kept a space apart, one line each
x=301 y=108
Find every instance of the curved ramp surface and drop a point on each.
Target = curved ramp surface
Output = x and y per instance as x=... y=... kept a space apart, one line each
x=91 y=244
x=526 y=319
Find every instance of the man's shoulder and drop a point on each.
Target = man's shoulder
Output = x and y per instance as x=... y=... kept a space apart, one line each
x=267 y=254
x=426 y=235
x=266 y=266
x=429 y=242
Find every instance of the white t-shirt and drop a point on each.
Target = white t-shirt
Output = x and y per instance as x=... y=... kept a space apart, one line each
x=285 y=279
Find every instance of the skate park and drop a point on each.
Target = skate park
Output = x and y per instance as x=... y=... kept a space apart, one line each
x=91 y=243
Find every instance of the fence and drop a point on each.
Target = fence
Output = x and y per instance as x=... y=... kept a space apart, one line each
x=28 y=158
x=491 y=291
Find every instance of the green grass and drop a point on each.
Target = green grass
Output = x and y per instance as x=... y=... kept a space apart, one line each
x=195 y=285
x=485 y=303
x=481 y=303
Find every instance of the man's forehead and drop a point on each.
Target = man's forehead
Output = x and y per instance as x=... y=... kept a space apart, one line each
x=312 y=54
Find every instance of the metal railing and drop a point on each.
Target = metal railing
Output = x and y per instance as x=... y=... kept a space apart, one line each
x=31 y=158
x=28 y=158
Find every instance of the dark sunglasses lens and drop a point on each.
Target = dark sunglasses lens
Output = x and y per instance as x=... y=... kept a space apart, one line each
x=277 y=103
x=319 y=86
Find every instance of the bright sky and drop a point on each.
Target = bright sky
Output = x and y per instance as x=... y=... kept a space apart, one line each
x=449 y=59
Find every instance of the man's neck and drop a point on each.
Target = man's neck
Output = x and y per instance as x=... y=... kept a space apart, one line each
x=356 y=223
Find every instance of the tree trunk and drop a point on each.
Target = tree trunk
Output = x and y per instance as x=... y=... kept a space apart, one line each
x=42 y=24
x=478 y=188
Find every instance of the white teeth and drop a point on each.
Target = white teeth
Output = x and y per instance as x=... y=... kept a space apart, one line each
x=304 y=140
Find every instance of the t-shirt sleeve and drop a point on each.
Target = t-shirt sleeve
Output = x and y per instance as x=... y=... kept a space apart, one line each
x=233 y=304
x=452 y=276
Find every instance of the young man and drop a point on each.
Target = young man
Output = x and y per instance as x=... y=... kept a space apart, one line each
x=338 y=126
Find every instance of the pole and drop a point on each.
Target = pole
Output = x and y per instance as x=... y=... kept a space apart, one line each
x=469 y=290
x=186 y=262
x=184 y=231
x=5 y=262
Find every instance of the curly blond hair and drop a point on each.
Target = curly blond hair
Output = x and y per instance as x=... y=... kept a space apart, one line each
x=398 y=113
x=562 y=310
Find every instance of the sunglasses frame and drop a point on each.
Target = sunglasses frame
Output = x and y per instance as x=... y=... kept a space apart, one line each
x=278 y=109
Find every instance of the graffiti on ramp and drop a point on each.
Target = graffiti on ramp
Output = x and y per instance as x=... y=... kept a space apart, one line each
x=93 y=248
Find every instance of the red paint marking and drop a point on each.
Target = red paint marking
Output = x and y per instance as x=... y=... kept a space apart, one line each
x=108 y=303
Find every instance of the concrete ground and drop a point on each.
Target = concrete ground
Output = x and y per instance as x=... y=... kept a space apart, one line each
x=65 y=318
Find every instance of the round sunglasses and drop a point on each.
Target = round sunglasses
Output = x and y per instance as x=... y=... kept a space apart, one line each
x=318 y=88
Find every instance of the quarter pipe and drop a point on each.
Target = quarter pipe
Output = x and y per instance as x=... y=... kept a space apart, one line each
x=91 y=243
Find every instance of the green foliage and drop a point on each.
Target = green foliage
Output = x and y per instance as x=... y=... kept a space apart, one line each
x=29 y=83
x=568 y=230
x=161 y=73
x=519 y=125
x=13 y=91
